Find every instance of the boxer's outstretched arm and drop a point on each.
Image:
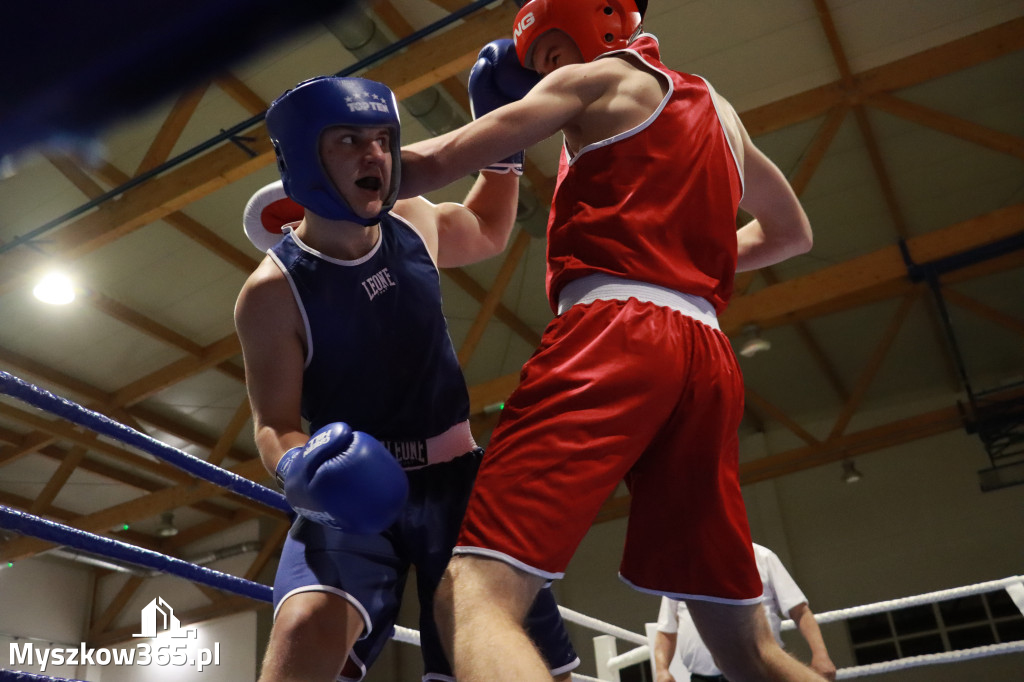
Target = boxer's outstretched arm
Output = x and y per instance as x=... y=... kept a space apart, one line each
x=554 y=103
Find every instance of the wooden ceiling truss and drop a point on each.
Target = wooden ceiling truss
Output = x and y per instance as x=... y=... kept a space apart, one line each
x=873 y=277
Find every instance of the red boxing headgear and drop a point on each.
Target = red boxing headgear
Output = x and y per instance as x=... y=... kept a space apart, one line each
x=596 y=26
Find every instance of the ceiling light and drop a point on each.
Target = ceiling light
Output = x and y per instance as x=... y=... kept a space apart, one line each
x=753 y=342
x=850 y=473
x=166 y=529
x=55 y=288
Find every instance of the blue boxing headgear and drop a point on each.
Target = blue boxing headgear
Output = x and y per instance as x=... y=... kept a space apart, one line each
x=295 y=121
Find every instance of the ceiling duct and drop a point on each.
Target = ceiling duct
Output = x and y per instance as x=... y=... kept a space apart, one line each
x=361 y=36
x=225 y=553
x=94 y=561
x=79 y=557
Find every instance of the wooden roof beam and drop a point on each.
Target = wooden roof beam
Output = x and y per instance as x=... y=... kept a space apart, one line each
x=1003 y=143
x=57 y=480
x=490 y=303
x=877 y=275
x=145 y=507
x=172 y=128
x=936 y=62
x=509 y=318
x=872 y=277
x=450 y=52
x=983 y=311
x=105 y=402
x=874 y=364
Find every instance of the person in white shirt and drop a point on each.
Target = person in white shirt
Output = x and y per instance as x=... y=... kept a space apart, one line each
x=782 y=597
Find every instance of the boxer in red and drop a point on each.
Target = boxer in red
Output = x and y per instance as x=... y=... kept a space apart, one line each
x=633 y=379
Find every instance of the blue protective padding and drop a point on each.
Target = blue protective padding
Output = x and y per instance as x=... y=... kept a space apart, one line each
x=58 y=533
x=18 y=676
x=101 y=424
x=297 y=119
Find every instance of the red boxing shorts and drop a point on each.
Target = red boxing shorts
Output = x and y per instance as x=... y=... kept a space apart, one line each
x=622 y=390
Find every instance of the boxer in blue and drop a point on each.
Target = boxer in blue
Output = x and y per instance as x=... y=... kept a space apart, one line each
x=341 y=326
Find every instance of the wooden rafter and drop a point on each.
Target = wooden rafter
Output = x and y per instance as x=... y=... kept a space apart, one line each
x=778 y=415
x=271 y=545
x=241 y=93
x=949 y=124
x=874 y=363
x=191 y=228
x=183 y=223
x=125 y=477
x=172 y=128
x=65 y=515
x=184 y=432
x=115 y=607
x=230 y=433
x=892 y=203
x=104 y=402
x=986 y=312
x=141 y=323
x=63 y=430
x=837 y=106
x=506 y=316
x=818 y=355
x=875 y=276
x=493 y=297
x=923 y=66
x=74 y=173
x=56 y=482
x=801 y=176
x=217 y=352
x=862 y=442
x=145 y=507
x=206 y=529
x=225 y=164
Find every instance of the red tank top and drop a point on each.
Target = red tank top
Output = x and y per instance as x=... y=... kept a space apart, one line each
x=656 y=203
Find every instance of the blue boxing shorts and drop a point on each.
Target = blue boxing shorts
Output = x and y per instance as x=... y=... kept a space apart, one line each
x=370 y=571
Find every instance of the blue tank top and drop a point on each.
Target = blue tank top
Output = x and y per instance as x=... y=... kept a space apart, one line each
x=378 y=353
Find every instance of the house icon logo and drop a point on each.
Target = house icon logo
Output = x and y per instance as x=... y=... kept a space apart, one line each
x=158 y=618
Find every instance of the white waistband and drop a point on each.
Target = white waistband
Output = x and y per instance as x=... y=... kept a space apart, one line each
x=601 y=287
x=444 y=447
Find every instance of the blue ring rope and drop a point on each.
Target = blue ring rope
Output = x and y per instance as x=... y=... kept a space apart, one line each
x=58 y=533
x=18 y=676
x=102 y=424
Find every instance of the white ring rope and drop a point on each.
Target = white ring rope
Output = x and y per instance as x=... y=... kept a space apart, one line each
x=929 y=659
x=600 y=626
x=1014 y=586
x=631 y=657
x=406 y=635
x=640 y=654
x=930 y=597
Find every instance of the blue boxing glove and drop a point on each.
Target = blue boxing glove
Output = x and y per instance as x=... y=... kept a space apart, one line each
x=343 y=479
x=496 y=79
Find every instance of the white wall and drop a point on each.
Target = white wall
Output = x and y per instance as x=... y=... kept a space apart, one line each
x=46 y=603
x=51 y=601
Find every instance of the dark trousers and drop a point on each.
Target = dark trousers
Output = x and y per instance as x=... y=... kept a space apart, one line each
x=697 y=677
